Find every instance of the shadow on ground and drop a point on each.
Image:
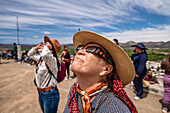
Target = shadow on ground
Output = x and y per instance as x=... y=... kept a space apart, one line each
x=4 y=62
x=146 y=91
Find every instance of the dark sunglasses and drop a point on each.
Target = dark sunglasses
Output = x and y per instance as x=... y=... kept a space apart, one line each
x=95 y=50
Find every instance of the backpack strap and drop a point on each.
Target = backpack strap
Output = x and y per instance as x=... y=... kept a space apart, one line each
x=40 y=60
x=50 y=72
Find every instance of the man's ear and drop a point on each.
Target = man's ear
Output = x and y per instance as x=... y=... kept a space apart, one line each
x=108 y=69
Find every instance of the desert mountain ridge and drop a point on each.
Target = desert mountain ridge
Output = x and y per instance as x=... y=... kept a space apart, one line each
x=128 y=44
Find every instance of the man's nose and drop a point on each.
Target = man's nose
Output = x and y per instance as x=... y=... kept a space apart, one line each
x=81 y=52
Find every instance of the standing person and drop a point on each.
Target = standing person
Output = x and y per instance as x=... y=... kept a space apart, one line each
x=101 y=68
x=46 y=73
x=116 y=41
x=66 y=60
x=139 y=61
x=15 y=52
x=166 y=97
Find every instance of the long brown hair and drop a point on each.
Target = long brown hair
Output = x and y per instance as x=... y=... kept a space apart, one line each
x=110 y=77
x=55 y=55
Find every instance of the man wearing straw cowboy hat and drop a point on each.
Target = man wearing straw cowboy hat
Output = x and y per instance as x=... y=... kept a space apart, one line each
x=102 y=68
x=46 y=73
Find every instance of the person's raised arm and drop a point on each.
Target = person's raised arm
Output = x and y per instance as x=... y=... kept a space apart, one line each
x=32 y=53
x=49 y=59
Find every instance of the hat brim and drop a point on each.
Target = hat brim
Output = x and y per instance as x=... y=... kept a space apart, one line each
x=124 y=65
x=139 y=47
x=57 y=49
x=134 y=45
x=47 y=39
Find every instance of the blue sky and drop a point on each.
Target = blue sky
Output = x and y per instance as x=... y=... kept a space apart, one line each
x=126 y=20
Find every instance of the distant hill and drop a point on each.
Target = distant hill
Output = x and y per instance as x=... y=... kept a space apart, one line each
x=148 y=44
x=10 y=46
x=25 y=46
x=123 y=45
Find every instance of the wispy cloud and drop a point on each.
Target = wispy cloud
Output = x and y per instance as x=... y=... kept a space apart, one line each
x=69 y=15
x=65 y=12
x=7 y=37
x=35 y=36
x=74 y=12
x=161 y=33
x=4 y=33
x=155 y=6
x=46 y=32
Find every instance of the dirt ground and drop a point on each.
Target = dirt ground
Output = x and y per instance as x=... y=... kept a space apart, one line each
x=19 y=95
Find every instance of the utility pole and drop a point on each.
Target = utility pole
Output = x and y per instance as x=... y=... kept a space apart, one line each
x=18 y=45
x=17 y=31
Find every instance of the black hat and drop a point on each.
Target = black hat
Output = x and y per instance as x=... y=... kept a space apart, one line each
x=140 y=45
x=116 y=40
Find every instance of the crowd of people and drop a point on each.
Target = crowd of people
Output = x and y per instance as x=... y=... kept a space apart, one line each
x=9 y=54
x=13 y=54
x=102 y=69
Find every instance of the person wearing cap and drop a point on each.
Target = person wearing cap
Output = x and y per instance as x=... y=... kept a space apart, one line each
x=102 y=69
x=46 y=73
x=139 y=61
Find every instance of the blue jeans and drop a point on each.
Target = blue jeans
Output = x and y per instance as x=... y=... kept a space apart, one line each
x=49 y=100
x=138 y=83
x=8 y=55
x=26 y=59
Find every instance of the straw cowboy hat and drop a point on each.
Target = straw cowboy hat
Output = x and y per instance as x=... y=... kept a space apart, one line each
x=54 y=42
x=124 y=65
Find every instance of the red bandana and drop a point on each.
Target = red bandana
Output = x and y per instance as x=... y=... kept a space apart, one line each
x=73 y=107
x=117 y=89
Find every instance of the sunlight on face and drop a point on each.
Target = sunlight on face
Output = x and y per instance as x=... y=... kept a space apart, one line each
x=87 y=63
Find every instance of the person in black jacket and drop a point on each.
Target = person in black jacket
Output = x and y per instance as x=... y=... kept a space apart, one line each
x=139 y=61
